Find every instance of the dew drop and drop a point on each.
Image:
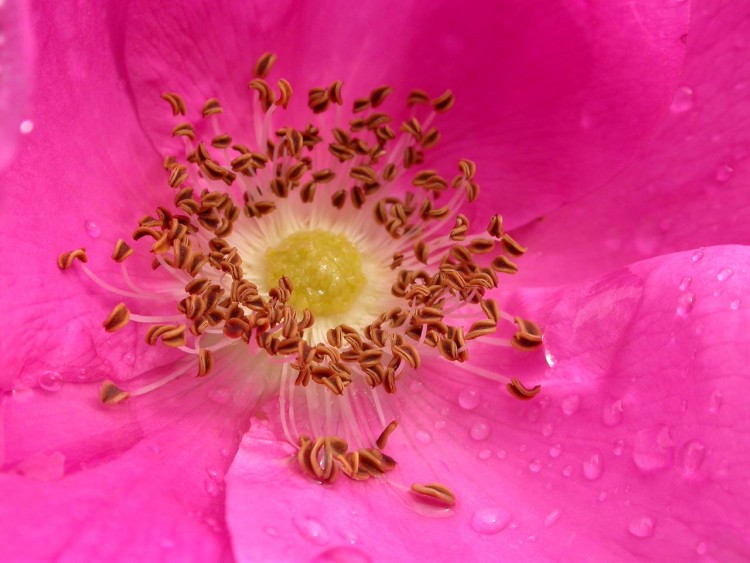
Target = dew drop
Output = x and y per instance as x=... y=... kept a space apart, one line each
x=652 y=450
x=724 y=172
x=343 y=554
x=685 y=283
x=551 y=360
x=92 y=229
x=685 y=303
x=490 y=520
x=225 y=453
x=439 y=424
x=683 y=100
x=715 y=401
x=701 y=548
x=642 y=527
x=27 y=126
x=602 y=496
x=555 y=450
x=220 y=395
x=423 y=436
x=484 y=455
x=166 y=543
x=50 y=381
x=724 y=274
x=692 y=457
x=312 y=530
x=155 y=448
x=567 y=471
x=502 y=454
x=547 y=430
x=618 y=448
x=129 y=358
x=273 y=532
x=211 y=486
x=479 y=431
x=593 y=466
x=469 y=399
x=735 y=305
x=612 y=413
x=698 y=255
x=552 y=517
x=535 y=466
x=570 y=404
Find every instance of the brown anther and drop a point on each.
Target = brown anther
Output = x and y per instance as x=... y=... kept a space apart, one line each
x=197 y=286
x=481 y=246
x=111 y=394
x=363 y=174
x=448 y=349
x=529 y=335
x=324 y=176
x=307 y=192
x=444 y=102
x=265 y=94
x=176 y=102
x=519 y=391
x=490 y=308
x=467 y=168
x=66 y=259
x=398 y=259
x=338 y=199
x=417 y=97
x=221 y=141
x=264 y=65
x=412 y=127
x=435 y=491
x=318 y=100
x=421 y=252
x=472 y=190
x=503 y=265
x=360 y=104
x=184 y=130
x=341 y=152
x=177 y=175
x=481 y=328
x=428 y=315
x=378 y=95
x=390 y=172
x=211 y=107
x=382 y=440
x=495 y=228
x=285 y=93
x=334 y=93
x=430 y=138
x=117 y=319
x=171 y=335
x=512 y=246
x=205 y=362
x=408 y=353
x=121 y=251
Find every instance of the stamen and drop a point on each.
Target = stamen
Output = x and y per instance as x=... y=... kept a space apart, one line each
x=435 y=491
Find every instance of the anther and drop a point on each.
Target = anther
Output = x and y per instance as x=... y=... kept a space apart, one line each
x=66 y=259
x=211 y=107
x=519 y=391
x=264 y=65
x=117 y=319
x=111 y=394
x=435 y=491
x=382 y=440
x=176 y=102
x=444 y=102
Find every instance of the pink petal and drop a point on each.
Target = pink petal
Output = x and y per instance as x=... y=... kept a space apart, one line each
x=16 y=62
x=687 y=189
x=635 y=448
x=552 y=99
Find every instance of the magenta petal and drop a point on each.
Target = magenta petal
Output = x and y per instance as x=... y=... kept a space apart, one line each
x=690 y=186
x=552 y=99
x=635 y=448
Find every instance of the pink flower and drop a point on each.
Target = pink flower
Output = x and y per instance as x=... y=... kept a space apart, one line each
x=621 y=125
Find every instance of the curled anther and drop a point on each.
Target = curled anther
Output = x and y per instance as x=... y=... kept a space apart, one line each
x=334 y=93
x=378 y=95
x=66 y=259
x=285 y=93
x=512 y=246
x=444 y=102
x=211 y=107
x=529 y=335
x=520 y=391
x=435 y=491
x=264 y=65
x=176 y=103
x=184 y=130
x=205 y=362
x=503 y=265
x=117 y=319
x=417 y=97
x=111 y=394
x=382 y=440
x=495 y=228
x=121 y=251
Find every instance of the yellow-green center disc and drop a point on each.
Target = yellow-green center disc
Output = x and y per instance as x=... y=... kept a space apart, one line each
x=324 y=268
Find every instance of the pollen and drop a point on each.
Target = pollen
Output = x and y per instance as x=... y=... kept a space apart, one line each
x=325 y=269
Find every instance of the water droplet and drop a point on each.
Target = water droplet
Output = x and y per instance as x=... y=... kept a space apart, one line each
x=27 y=126
x=547 y=430
x=551 y=361
x=735 y=305
x=502 y=454
x=692 y=457
x=535 y=466
x=439 y=424
x=724 y=172
x=484 y=455
x=533 y=414
x=642 y=527
x=166 y=543
x=212 y=487
x=490 y=520
x=685 y=303
x=220 y=395
x=701 y=548
x=50 y=381
x=602 y=496
x=685 y=283
x=715 y=401
x=552 y=517
x=469 y=399
x=480 y=431
x=129 y=359
x=423 y=436
x=593 y=467
x=312 y=530
x=92 y=229
x=698 y=255
x=225 y=453
x=567 y=471
x=653 y=449
x=570 y=404
x=343 y=554
x=155 y=448
x=612 y=413
x=618 y=448
x=555 y=450
x=273 y=532
x=724 y=274
x=683 y=100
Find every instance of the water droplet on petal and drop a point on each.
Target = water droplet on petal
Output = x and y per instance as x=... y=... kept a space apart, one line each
x=312 y=530
x=698 y=255
x=593 y=466
x=479 y=431
x=50 y=381
x=715 y=401
x=685 y=283
x=469 y=399
x=555 y=450
x=612 y=413
x=166 y=543
x=225 y=453
x=547 y=430
x=652 y=449
x=484 y=455
x=343 y=554
x=724 y=172
x=619 y=447
x=701 y=548
x=692 y=457
x=211 y=486
x=552 y=517
x=683 y=100
x=220 y=395
x=642 y=527
x=129 y=358
x=502 y=454
x=535 y=466
x=570 y=404
x=724 y=274
x=602 y=496
x=735 y=305
x=490 y=520
x=92 y=229
x=685 y=303
x=439 y=424
x=423 y=436
x=567 y=471
x=27 y=126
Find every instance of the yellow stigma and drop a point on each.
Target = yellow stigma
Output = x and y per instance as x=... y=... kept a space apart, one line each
x=325 y=269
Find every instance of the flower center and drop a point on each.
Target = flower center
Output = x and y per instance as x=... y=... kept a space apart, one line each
x=325 y=269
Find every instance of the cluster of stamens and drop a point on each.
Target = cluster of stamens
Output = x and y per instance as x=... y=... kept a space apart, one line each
x=222 y=188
